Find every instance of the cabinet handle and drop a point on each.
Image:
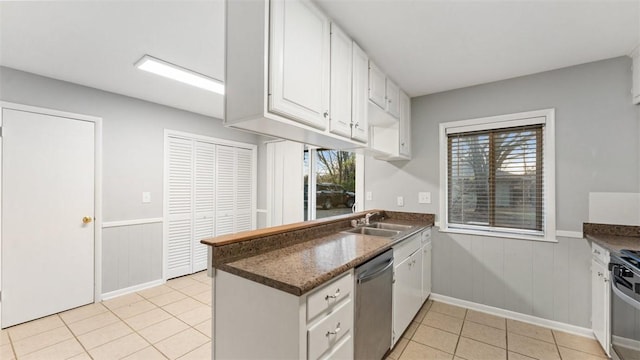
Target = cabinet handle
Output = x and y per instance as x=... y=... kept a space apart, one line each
x=600 y=274
x=356 y=125
x=334 y=332
x=326 y=114
x=402 y=144
x=595 y=251
x=334 y=296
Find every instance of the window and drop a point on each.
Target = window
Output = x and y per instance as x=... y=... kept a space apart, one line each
x=333 y=175
x=499 y=175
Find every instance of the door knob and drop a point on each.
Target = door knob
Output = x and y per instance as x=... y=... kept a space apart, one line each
x=87 y=219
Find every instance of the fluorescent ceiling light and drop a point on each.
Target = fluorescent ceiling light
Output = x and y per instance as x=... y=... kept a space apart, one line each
x=178 y=73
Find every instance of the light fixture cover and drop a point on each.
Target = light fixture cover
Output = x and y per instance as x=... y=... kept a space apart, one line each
x=178 y=73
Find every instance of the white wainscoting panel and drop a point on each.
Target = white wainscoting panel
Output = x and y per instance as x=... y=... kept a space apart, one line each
x=541 y=279
x=131 y=256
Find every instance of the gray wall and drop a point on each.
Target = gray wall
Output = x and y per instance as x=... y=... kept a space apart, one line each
x=596 y=151
x=133 y=155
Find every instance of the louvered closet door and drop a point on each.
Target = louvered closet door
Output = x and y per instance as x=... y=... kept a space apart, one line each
x=179 y=207
x=204 y=185
x=244 y=181
x=225 y=188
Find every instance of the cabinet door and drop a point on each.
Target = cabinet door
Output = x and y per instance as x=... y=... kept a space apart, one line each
x=393 y=98
x=600 y=304
x=299 y=62
x=426 y=271
x=360 y=130
x=407 y=293
x=377 y=86
x=341 y=66
x=405 y=125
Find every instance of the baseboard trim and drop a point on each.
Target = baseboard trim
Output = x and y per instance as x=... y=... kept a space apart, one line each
x=131 y=289
x=624 y=342
x=552 y=324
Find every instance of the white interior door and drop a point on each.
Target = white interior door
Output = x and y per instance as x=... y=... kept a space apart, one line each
x=48 y=185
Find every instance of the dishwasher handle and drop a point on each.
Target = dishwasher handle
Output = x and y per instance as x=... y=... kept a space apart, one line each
x=377 y=273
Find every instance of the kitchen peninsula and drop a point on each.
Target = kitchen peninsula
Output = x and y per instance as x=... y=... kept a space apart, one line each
x=289 y=290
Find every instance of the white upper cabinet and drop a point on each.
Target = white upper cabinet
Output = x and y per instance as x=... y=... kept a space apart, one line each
x=299 y=62
x=377 y=86
x=405 y=125
x=393 y=96
x=360 y=94
x=292 y=74
x=341 y=76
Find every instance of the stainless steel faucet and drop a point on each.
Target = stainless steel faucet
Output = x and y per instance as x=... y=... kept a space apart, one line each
x=368 y=216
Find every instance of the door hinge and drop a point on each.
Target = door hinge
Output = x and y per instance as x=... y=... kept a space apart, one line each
x=0 y=131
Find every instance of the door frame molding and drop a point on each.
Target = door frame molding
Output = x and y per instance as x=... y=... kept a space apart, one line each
x=165 y=181
x=97 y=211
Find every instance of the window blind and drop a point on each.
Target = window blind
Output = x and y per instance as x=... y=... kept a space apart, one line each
x=495 y=179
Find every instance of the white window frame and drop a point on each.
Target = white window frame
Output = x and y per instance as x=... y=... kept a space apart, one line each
x=546 y=117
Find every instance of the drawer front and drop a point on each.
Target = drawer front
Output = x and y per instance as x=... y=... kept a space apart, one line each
x=323 y=300
x=426 y=236
x=327 y=334
x=342 y=351
x=407 y=247
x=599 y=253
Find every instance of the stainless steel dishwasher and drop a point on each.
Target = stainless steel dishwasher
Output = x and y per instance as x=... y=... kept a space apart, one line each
x=372 y=331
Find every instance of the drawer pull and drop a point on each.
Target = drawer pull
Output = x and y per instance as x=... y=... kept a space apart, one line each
x=334 y=332
x=334 y=296
x=596 y=251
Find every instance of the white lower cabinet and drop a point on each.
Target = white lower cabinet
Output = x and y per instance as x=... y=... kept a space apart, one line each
x=261 y=322
x=407 y=284
x=426 y=264
x=601 y=297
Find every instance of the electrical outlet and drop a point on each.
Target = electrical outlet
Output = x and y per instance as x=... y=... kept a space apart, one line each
x=424 y=197
x=400 y=201
x=369 y=196
x=146 y=197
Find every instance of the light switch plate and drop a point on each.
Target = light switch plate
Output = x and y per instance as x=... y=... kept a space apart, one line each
x=146 y=197
x=400 y=201
x=424 y=197
x=369 y=196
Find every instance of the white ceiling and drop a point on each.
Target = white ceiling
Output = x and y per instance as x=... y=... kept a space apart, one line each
x=433 y=46
x=425 y=46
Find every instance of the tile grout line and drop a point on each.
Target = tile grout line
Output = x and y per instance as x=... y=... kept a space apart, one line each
x=40 y=333
x=86 y=351
x=136 y=332
x=13 y=350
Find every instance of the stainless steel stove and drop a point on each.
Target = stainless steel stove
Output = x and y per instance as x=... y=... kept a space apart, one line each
x=625 y=304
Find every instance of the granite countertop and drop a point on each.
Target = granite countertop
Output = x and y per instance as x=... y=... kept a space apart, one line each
x=615 y=243
x=613 y=237
x=301 y=267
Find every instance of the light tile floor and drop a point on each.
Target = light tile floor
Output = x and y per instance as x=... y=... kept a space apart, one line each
x=171 y=321
x=442 y=331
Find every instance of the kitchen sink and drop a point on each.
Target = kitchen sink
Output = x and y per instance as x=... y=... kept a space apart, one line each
x=372 y=231
x=387 y=226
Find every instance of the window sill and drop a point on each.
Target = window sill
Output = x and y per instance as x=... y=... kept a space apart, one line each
x=543 y=238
